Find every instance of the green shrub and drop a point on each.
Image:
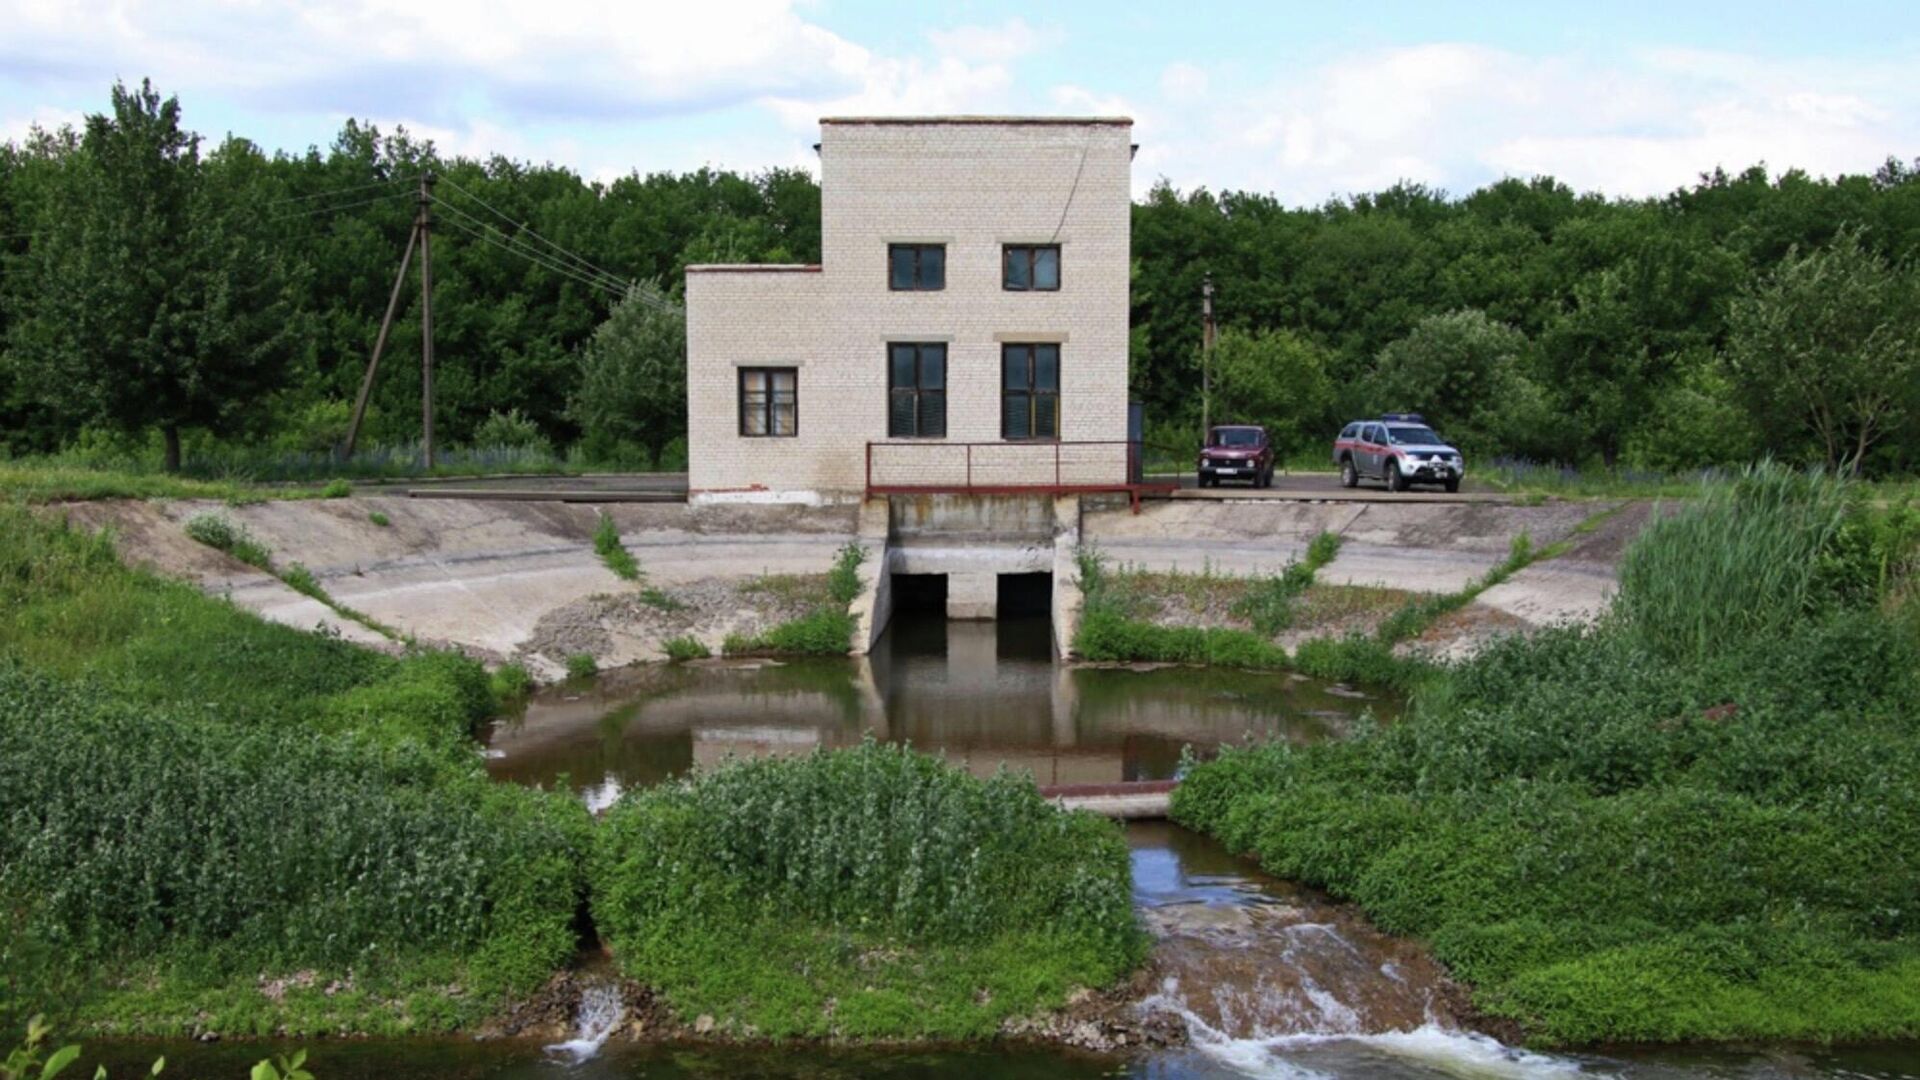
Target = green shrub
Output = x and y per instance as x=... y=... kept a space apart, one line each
x=196 y=798
x=582 y=666
x=606 y=542
x=1615 y=838
x=337 y=488
x=873 y=892
x=379 y=518
x=822 y=632
x=510 y=429
x=221 y=533
x=685 y=647
x=509 y=683
x=139 y=834
x=843 y=581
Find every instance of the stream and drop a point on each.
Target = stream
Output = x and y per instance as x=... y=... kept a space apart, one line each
x=1271 y=980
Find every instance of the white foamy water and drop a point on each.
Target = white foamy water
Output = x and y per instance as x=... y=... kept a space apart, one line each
x=599 y=1013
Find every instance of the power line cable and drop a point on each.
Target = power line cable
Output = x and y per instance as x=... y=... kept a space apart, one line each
x=529 y=231
x=494 y=235
x=390 y=181
x=512 y=243
x=335 y=209
x=549 y=266
x=645 y=290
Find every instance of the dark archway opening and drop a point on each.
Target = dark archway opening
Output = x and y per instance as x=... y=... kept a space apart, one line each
x=1024 y=596
x=920 y=593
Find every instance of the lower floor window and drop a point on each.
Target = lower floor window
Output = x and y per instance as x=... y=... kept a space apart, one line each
x=769 y=401
x=1030 y=391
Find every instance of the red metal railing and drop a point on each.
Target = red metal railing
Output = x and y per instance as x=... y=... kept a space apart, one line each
x=929 y=467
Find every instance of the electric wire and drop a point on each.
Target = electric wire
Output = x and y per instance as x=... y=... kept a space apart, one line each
x=528 y=230
x=549 y=266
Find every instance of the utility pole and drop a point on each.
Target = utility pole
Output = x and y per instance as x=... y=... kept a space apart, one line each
x=1206 y=357
x=419 y=235
x=426 y=316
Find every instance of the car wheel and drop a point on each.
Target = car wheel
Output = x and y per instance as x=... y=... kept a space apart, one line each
x=1453 y=486
x=1205 y=481
x=1395 y=481
x=1348 y=477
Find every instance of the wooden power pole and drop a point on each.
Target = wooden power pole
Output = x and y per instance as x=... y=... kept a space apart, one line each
x=418 y=236
x=426 y=317
x=1206 y=358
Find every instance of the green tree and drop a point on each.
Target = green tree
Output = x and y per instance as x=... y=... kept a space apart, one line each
x=1275 y=378
x=1828 y=346
x=155 y=303
x=1465 y=373
x=632 y=390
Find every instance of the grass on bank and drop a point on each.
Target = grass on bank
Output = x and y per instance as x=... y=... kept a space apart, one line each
x=871 y=892
x=827 y=630
x=202 y=807
x=1637 y=832
x=607 y=545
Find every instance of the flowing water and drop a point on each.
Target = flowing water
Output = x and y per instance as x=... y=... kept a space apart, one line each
x=600 y=1011
x=1272 y=980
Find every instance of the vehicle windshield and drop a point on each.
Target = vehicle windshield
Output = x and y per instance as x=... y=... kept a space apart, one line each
x=1237 y=437
x=1414 y=436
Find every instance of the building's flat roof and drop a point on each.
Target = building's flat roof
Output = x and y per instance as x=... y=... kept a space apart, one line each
x=754 y=268
x=1063 y=121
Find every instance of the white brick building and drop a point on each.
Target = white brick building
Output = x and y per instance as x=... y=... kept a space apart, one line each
x=969 y=318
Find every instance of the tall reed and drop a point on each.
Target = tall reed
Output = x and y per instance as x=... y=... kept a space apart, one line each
x=1741 y=561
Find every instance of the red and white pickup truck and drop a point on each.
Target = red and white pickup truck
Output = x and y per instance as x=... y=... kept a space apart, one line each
x=1398 y=449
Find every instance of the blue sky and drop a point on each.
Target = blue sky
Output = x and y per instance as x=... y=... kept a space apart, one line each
x=1304 y=100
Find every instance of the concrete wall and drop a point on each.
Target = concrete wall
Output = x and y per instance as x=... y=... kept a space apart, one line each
x=972 y=186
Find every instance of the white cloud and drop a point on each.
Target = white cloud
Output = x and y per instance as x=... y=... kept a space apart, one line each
x=1459 y=115
x=1183 y=82
x=1000 y=44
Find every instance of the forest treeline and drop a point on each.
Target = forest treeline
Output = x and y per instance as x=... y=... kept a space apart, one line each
x=159 y=289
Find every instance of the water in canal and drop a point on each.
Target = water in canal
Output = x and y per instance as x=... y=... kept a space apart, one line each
x=1271 y=980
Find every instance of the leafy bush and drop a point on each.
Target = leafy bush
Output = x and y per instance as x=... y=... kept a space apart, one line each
x=510 y=682
x=196 y=797
x=222 y=533
x=511 y=429
x=337 y=488
x=865 y=892
x=582 y=666
x=822 y=632
x=606 y=542
x=843 y=581
x=685 y=647
x=1615 y=837
x=379 y=518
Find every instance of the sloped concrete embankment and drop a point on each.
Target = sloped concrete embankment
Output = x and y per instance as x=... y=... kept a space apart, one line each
x=1414 y=547
x=474 y=575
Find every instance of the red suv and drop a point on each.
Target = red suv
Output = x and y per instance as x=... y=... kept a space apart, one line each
x=1237 y=452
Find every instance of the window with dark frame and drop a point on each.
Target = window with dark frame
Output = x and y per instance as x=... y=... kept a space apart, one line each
x=916 y=390
x=916 y=267
x=1030 y=391
x=1030 y=267
x=769 y=402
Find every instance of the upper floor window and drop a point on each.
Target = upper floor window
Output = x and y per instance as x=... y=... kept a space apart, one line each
x=769 y=402
x=916 y=390
x=916 y=267
x=1030 y=267
x=1030 y=391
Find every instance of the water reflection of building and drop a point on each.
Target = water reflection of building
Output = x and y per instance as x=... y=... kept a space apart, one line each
x=983 y=694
